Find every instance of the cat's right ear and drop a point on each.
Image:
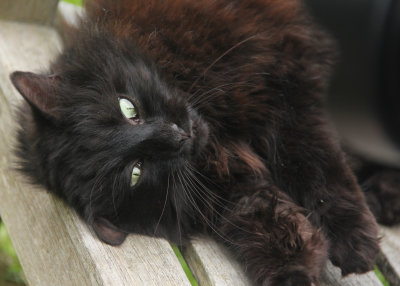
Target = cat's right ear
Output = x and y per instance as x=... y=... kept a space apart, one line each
x=39 y=91
x=108 y=232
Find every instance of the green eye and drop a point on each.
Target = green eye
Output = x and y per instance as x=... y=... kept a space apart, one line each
x=127 y=108
x=136 y=171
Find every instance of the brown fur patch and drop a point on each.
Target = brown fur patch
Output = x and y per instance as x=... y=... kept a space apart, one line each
x=250 y=158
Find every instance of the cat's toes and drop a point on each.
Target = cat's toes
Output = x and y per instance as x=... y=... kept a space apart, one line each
x=356 y=254
x=294 y=276
x=382 y=192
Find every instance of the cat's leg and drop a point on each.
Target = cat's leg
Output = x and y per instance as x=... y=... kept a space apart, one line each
x=274 y=240
x=314 y=172
x=352 y=232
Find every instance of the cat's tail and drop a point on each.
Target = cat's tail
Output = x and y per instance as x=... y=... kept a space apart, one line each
x=381 y=186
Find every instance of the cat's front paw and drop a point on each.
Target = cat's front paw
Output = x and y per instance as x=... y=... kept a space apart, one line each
x=292 y=276
x=356 y=252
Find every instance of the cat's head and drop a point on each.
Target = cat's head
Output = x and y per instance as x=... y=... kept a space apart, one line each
x=105 y=133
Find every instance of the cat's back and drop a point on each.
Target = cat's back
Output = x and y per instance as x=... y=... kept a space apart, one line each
x=225 y=55
x=185 y=37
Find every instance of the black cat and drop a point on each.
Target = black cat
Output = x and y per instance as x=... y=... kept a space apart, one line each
x=175 y=117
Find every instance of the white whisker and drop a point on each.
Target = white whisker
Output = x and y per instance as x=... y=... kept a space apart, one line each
x=209 y=222
x=165 y=204
x=197 y=190
x=177 y=213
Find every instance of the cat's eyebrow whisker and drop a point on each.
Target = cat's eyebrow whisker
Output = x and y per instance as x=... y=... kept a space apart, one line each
x=208 y=98
x=165 y=204
x=231 y=70
x=215 y=92
x=193 y=95
x=210 y=90
x=206 y=93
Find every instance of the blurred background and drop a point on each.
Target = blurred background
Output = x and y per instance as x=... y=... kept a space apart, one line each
x=364 y=95
x=11 y=273
x=364 y=92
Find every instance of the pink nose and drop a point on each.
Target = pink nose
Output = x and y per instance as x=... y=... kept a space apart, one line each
x=181 y=132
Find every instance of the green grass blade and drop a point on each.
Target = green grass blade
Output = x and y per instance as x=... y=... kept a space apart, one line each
x=13 y=269
x=380 y=276
x=75 y=2
x=184 y=265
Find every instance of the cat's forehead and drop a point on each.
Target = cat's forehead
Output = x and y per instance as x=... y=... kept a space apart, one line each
x=150 y=95
x=100 y=59
x=112 y=72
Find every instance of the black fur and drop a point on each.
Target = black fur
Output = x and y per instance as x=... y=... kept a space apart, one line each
x=231 y=132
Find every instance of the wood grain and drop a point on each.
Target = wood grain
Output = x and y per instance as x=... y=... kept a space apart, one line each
x=54 y=246
x=36 y=11
x=332 y=277
x=212 y=265
x=389 y=261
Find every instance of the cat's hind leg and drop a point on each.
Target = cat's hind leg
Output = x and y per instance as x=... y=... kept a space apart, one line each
x=274 y=240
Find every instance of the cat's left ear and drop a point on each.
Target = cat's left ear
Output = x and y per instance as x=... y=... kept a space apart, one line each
x=108 y=232
x=40 y=91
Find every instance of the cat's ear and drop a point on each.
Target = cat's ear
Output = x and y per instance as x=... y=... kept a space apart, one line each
x=108 y=232
x=38 y=90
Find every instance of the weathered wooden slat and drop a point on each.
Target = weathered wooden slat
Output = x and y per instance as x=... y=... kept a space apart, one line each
x=332 y=277
x=212 y=265
x=36 y=11
x=389 y=261
x=54 y=246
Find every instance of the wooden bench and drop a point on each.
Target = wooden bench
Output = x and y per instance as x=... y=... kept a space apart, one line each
x=54 y=246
